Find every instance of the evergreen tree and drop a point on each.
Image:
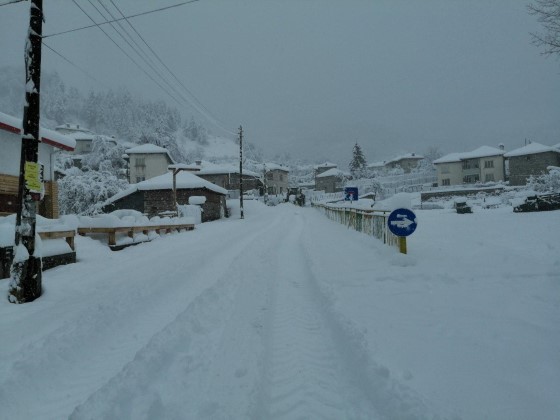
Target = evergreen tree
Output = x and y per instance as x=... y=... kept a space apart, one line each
x=358 y=164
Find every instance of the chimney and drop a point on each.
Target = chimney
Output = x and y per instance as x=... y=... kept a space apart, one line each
x=198 y=162
x=501 y=146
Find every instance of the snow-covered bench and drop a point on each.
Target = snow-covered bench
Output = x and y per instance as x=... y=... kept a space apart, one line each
x=131 y=230
x=129 y=227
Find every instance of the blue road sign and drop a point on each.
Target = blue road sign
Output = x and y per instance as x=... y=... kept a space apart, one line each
x=402 y=222
x=350 y=194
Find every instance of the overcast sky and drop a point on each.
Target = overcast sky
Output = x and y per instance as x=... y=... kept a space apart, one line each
x=312 y=77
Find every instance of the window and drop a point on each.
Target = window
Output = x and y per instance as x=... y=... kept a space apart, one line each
x=489 y=178
x=446 y=181
x=488 y=163
x=140 y=162
x=281 y=178
x=471 y=179
x=140 y=178
x=270 y=176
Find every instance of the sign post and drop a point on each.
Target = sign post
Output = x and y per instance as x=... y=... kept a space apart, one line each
x=402 y=223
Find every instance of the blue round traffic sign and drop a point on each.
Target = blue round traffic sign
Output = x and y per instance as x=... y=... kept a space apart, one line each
x=402 y=222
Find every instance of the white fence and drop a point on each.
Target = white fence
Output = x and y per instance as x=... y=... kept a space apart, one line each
x=370 y=222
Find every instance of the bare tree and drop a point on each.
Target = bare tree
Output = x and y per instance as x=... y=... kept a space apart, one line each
x=548 y=13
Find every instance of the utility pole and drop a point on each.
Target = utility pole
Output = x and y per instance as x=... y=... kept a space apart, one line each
x=241 y=171
x=26 y=271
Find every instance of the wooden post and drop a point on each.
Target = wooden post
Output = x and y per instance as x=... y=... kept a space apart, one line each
x=402 y=244
x=26 y=271
x=241 y=171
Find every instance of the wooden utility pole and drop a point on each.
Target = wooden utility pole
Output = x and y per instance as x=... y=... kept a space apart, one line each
x=26 y=272
x=241 y=171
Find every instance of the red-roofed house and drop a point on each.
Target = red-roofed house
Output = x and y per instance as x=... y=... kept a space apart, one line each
x=10 y=144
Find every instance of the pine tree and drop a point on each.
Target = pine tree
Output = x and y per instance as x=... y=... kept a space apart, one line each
x=358 y=163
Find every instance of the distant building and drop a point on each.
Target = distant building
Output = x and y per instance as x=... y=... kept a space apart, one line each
x=147 y=161
x=226 y=176
x=82 y=136
x=331 y=181
x=485 y=164
x=407 y=162
x=276 y=178
x=531 y=160
x=323 y=167
x=10 y=144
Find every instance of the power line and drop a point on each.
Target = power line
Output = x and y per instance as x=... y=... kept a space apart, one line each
x=5 y=3
x=199 y=106
x=73 y=64
x=116 y=20
x=128 y=55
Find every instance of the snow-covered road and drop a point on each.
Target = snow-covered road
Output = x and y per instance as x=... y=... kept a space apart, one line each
x=286 y=315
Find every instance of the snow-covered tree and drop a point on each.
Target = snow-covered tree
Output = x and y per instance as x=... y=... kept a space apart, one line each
x=358 y=164
x=105 y=156
x=195 y=132
x=83 y=192
x=546 y=183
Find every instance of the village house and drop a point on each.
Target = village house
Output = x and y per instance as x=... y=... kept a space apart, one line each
x=485 y=164
x=331 y=180
x=531 y=160
x=226 y=176
x=276 y=178
x=407 y=162
x=10 y=142
x=155 y=196
x=147 y=161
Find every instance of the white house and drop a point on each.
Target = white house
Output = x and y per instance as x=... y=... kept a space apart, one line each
x=10 y=144
x=485 y=164
x=147 y=161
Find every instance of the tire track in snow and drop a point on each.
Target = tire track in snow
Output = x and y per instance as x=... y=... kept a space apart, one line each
x=106 y=335
x=205 y=363
x=305 y=377
x=318 y=366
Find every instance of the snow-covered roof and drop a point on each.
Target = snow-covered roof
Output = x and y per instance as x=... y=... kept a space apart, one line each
x=213 y=169
x=148 y=149
x=184 y=180
x=531 y=149
x=332 y=172
x=50 y=137
x=483 y=151
x=376 y=165
x=451 y=157
x=72 y=127
x=271 y=166
x=407 y=156
x=326 y=165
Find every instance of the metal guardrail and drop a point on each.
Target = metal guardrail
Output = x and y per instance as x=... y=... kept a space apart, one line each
x=370 y=222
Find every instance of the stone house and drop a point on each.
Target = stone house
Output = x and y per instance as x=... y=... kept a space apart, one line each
x=485 y=164
x=226 y=176
x=155 y=196
x=147 y=161
x=331 y=180
x=10 y=143
x=531 y=160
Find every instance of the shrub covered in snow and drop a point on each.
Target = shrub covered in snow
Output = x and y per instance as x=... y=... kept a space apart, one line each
x=84 y=192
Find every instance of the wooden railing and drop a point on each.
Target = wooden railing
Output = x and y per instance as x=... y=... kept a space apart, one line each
x=131 y=230
x=370 y=222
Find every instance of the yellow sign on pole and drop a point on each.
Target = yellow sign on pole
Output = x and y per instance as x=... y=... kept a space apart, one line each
x=32 y=176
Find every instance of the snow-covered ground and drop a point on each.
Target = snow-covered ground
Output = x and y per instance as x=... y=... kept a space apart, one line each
x=287 y=315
